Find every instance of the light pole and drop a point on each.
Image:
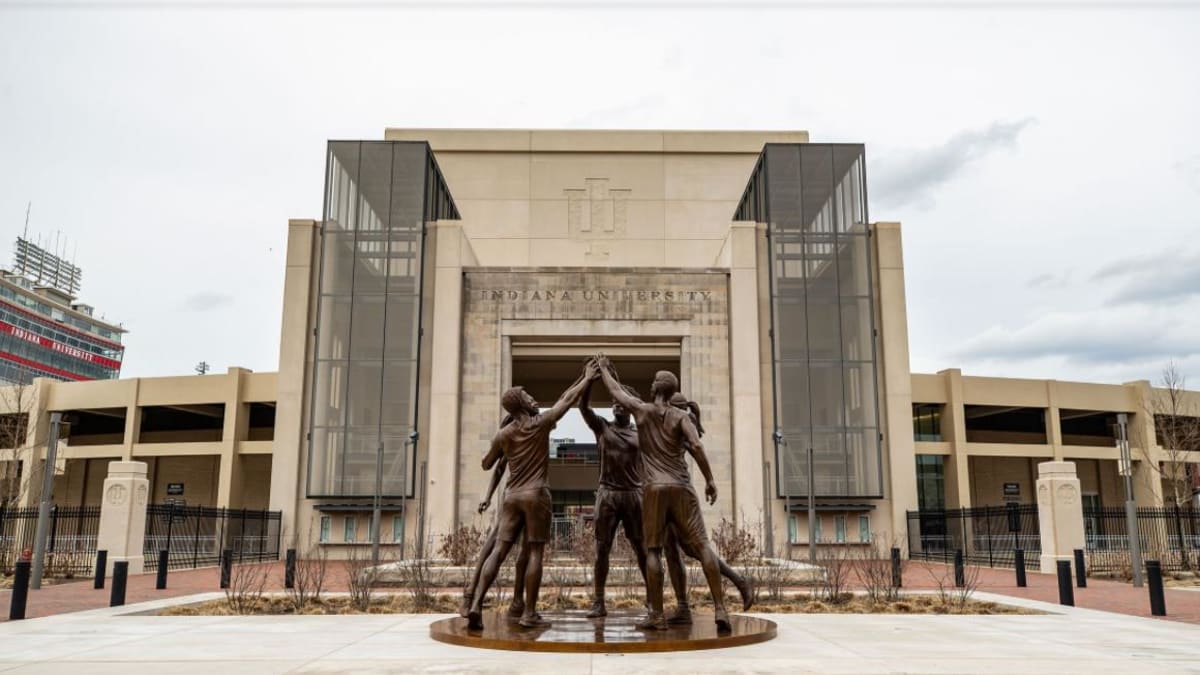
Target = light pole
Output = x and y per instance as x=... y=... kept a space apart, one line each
x=812 y=512
x=39 y=541
x=1131 y=527
x=787 y=489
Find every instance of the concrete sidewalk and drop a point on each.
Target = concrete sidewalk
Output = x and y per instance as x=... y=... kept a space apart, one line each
x=1068 y=641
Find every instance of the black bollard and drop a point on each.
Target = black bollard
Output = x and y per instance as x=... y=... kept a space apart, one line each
x=289 y=569
x=1066 y=594
x=896 y=580
x=960 y=573
x=226 y=567
x=20 y=591
x=160 y=581
x=1080 y=569
x=120 y=572
x=1019 y=563
x=1158 y=601
x=101 y=568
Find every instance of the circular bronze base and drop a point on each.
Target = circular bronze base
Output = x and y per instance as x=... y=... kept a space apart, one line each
x=571 y=631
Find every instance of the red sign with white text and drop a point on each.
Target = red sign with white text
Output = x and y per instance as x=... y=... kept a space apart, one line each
x=59 y=347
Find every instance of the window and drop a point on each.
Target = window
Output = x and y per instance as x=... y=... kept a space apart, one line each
x=818 y=536
x=351 y=530
x=839 y=529
x=927 y=421
x=931 y=482
x=326 y=526
x=864 y=529
x=397 y=529
x=371 y=527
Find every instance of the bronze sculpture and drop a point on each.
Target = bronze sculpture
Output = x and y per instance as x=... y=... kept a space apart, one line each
x=665 y=435
x=525 y=444
x=619 y=494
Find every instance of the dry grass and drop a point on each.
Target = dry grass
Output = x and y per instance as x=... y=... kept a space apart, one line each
x=395 y=603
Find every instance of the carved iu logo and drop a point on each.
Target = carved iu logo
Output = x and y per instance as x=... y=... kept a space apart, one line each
x=597 y=210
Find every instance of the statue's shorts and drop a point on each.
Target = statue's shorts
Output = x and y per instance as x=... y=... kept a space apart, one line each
x=615 y=507
x=529 y=508
x=676 y=506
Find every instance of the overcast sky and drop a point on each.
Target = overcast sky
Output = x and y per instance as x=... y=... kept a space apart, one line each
x=1045 y=163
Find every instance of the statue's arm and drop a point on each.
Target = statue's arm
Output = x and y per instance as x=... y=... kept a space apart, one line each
x=618 y=392
x=497 y=474
x=494 y=453
x=696 y=449
x=585 y=408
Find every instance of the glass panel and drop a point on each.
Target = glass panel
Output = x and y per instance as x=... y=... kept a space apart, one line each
x=370 y=267
x=409 y=183
x=363 y=390
x=358 y=462
x=324 y=462
x=783 y=186
x=402 y=324
x=792 y=385
x=791 y=341
x=859 y=393
x=334 y=327
x=824 y=327
x=826 y=391
x=829 y=463
x=366 y=336
x=329 y=395
x=404 y=261
x=337 y=263
x=399 y=386
x=856 y=329
x=862 y=462
x=853 y=261
x=398 y=467
x=342 y=196
x=816 y=187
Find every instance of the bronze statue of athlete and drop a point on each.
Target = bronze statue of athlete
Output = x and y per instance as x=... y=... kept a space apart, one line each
x=517 y=608
x=675 y=569
x=619 y=496
x=665 y=434
x=525 y=444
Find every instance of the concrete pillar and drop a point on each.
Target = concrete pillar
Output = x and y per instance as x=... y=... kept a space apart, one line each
x=1053 y=421
x=123 y=514
x=1060 y=513
x=295 y=342
x=895 y=418
x=747 y=447
x=954 y=432
x=237 y=423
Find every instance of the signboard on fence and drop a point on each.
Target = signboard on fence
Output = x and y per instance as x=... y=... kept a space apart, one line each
x=1012 y=493
x=174 y=488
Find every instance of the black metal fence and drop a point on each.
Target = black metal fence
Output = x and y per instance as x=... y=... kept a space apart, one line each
x=987 y=535
x=194 y=536
x=1169 y=534
x=70 y=538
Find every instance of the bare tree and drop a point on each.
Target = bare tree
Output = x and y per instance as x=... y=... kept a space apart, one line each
x=16 y=406
x=1176 y=415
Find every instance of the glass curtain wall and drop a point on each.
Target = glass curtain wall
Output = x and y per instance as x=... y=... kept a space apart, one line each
x=378 y=198
x=813 y=198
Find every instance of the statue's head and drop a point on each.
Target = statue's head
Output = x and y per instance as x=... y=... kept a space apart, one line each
x=620 y=413
x=665 y=384
x=516 y=400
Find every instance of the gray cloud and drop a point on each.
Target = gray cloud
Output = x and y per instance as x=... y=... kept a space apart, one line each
x=204 y=302
x=1104 y=336
x=1165 y=277
x=1048 y=280
x=910 y=177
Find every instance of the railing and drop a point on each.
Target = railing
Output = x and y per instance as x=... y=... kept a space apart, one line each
x=195 y=536
x=70 y=538
x=987 y=535
x=1169 y=534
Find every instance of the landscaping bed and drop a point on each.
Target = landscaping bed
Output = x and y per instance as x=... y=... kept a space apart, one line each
x=405 y=603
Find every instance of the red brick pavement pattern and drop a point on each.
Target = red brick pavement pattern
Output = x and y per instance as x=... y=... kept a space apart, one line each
x=1111 y=596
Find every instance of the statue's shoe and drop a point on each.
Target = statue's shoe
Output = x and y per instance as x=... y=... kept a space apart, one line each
x=598 y=610
x=475 y=619
x=722 y=619
x=653 y=622
x=534 y=620
x=680 y=616
x=746 y=589
x=516 y=610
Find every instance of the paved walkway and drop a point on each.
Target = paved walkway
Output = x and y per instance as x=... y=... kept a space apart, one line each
x=1111 y=596
x=1071 y=640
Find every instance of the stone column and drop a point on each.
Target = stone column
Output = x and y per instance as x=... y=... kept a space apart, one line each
x=123 y=514
x=1060 y=513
